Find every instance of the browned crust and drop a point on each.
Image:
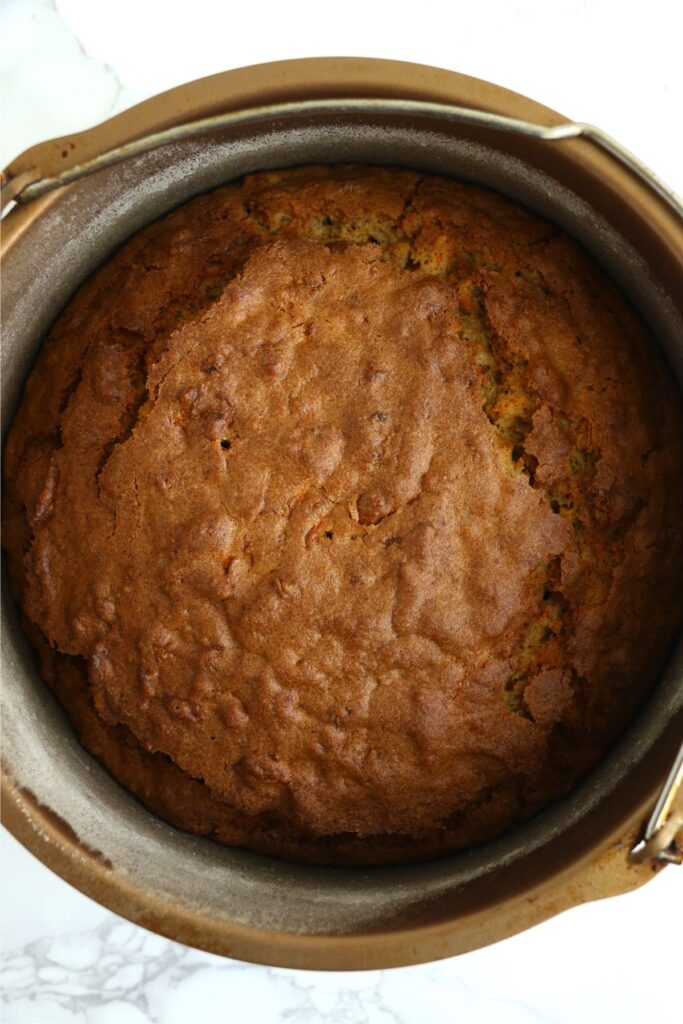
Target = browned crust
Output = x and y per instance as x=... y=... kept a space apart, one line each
x=348 y=501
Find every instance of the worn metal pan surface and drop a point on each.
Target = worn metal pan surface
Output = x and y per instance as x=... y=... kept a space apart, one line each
x=74 y=201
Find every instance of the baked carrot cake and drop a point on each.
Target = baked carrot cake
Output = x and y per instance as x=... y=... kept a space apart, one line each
x=344 y=509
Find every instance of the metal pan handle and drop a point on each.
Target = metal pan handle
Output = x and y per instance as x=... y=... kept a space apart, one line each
x=27 y=186
x=663 y=837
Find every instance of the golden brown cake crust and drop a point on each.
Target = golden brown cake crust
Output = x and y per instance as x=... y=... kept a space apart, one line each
x=348 y=503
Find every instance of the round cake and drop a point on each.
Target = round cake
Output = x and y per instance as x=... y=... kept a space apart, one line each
x=344 y=509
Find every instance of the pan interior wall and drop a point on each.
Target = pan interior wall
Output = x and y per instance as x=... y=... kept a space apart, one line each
x=43 y=269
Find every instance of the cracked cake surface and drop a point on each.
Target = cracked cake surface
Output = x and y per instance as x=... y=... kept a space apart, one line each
x=343 y=507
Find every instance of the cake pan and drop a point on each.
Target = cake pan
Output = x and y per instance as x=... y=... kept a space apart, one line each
x=71 y=202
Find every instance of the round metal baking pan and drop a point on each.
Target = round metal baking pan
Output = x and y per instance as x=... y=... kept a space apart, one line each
x=56 y=799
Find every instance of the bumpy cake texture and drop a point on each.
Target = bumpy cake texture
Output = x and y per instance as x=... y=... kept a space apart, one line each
x=344 y=508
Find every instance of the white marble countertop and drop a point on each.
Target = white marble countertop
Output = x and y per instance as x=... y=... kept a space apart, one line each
x=69 y=64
